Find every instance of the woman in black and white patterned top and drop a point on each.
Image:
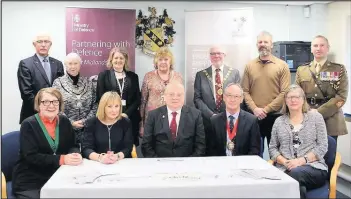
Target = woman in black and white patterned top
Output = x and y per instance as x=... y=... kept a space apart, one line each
x=78 y=94
x=299 y=142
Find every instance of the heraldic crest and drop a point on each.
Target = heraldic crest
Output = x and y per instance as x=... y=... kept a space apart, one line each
x=153 y=32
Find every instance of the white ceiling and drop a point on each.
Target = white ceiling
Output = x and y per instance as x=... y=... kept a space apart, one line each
x=292 y=3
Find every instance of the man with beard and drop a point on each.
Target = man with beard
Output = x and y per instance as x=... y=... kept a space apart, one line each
x=209 y=86
x=265 y=80
x=325 y=84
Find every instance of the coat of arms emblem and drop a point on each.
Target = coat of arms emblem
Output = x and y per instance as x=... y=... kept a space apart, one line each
x=153 y=32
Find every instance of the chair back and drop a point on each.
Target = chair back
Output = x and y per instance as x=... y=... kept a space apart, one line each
x=329 y=157
x=10 y=153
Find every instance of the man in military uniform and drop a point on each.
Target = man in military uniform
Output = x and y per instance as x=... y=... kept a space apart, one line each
x=326 y=86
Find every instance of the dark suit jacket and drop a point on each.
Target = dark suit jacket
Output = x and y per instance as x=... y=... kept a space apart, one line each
x=107 y=82
x=36 y=162
x=203 y=90
x=157 y=139
x=248 y=138
x=31 y=78
x=203 y=95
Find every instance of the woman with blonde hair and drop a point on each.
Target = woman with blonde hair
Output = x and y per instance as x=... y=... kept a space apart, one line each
x=108 y=136
x=299 y=142
x=47 y=141
x=155 y=82
x=118 y=78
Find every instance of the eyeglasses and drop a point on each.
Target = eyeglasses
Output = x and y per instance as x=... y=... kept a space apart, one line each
x=234 y=96
x=43 y=41
x=293 y=97
x=47 y=102
x=216 y=53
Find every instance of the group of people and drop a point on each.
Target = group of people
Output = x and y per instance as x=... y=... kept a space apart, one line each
x=65 y=118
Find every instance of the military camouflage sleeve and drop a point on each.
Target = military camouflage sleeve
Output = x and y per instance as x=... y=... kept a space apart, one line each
x=335 y=103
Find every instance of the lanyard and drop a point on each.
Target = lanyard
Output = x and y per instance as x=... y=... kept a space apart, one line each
x=121 y=87
x=53 y=143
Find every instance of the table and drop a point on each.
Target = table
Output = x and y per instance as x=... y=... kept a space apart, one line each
x=200 y=177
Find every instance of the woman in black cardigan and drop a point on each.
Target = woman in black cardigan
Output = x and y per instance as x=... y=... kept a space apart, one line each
x=108 y=137
x=47 y=141
x=126 y=83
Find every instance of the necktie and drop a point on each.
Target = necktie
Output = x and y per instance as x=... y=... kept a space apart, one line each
x=219 y=90
x=231 y=123
x=173 y=126
x=318 y=67
x=47 y=68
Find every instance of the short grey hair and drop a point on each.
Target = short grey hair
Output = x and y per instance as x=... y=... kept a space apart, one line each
x=73 y=56
x=174 y=83
x=234 y=84
x=220 y=47
x=265 y=33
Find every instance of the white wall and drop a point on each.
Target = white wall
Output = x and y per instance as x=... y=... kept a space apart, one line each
x=22 y=20
x=339 y=38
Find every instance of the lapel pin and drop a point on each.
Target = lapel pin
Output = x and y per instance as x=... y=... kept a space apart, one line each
x=163 y=116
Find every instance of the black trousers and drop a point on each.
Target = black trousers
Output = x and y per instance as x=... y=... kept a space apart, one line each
x=28 y=194
x=308 y=178
x=208 y=135
x=266 y=129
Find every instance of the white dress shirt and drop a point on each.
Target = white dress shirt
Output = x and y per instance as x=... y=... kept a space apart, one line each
x=235 y=115
x=214 y=79
x=170 y=117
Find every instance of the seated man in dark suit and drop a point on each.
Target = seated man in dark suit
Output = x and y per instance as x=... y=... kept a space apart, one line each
x=174 y=130
x=235 y=132
x=37 y=72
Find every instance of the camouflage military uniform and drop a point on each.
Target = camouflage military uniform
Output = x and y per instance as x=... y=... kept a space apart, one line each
x=329 y=96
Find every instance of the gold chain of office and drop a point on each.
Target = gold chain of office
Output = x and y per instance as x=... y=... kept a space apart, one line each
x=219 y=91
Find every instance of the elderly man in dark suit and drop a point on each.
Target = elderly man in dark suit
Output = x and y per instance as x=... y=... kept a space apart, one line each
x=174 y=130
x=209 y=85
x=37 y=72
x=234 y=131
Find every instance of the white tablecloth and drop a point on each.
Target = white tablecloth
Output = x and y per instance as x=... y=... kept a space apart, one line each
x=205 y=177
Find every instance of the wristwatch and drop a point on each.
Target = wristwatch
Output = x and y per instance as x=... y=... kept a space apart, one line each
x=306 y=158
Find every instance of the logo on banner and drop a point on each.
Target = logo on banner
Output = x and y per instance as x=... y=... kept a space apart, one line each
x=153 y=32
x=239 y=26
x=80 y=27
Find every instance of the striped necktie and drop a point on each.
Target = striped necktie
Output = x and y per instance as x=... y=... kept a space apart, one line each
x=47 y=68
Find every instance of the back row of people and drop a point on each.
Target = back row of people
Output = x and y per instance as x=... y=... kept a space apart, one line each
x=265 y=76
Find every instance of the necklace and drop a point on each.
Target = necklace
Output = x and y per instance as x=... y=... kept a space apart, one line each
x=165 y=82
x=109 y=136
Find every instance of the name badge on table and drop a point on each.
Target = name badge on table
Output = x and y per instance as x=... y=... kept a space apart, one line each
x=124 y=103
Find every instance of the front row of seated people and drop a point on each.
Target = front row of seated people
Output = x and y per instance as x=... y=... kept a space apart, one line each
x=298 y=144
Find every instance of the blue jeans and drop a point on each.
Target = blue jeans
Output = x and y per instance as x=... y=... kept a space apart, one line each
x=336 y=140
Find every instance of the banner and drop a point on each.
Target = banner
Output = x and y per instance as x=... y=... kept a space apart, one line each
x=93 y=32
x=232 y=29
